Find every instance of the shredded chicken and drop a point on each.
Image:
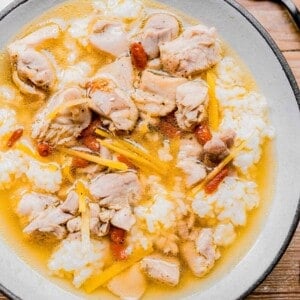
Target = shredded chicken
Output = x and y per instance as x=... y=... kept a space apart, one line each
x=116 y=191
x=33 y=73
x=123 y=219
x=62 y=126
x=217 y=148
x=189 y=160
x=32 y=204
x=51 y=221
x=196 y=50
x=112 y=103
x=201 y=254
x=191 y=99
x=162 y=268
x=156 y=95
x=159 y=28
x=120 y=71
x=71 y=204
x=110 y=37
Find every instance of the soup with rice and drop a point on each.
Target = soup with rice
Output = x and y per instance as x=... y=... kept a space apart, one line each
x=132 y=145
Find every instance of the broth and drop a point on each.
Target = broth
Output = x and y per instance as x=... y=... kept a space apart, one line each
x=37 y=254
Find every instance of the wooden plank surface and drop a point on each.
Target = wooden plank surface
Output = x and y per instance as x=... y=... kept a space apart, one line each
x=284 y=282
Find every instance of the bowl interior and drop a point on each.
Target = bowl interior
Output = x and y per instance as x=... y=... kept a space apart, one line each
x=276 y=83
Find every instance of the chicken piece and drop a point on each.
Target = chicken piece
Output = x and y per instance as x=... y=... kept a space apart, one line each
x=188 y=160
x=71 y=204
x=112 y=103
x=116 y=190
x=58 y=125
x=167 y=244
x=33 y=73
x=94 y=210
x=106 y=215
x=159 y=28
x=185 y=228
x=49 y=220
x=74 y=225
x=123 y=219
x=32 y=204
x=228 y=137
x=214 y=151
x=205 y=244
x=196 y=50
x=163 y=269
x=120 y=71
x=110 y=37
x=191 y=99
x=201 y=254
x=130 y=284
x=34 y=39
x=96 y=226
x=155 y=64
x=156 y=95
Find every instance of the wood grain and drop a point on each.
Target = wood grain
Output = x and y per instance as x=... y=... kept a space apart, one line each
x=284 y=282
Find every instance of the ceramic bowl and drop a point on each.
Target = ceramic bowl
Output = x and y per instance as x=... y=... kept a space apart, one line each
x=276 y=81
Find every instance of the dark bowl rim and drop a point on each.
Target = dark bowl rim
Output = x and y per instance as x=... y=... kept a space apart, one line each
x=293 y=83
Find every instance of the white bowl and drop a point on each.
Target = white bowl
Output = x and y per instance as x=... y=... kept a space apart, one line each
x=276 y=81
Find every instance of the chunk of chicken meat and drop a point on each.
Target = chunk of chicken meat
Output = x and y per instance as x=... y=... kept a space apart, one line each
x=97 y=227
x=71 y=204
x=159 y=28
x=185 y=228
x=32 y=204
x=130 y=284
x=156 y=95
x=228 y=137
x=116 y=190
x=58 y=124
x=191 y=99
x=50 y=221
x=33 y=73
x=112 y=103
x=188 y=160
x=218 y=147
x=167 y=244
x=200 y=255
x=196 y=50
x=163 y=269
x=110 y=37
x=123 y=219
x=120 y=71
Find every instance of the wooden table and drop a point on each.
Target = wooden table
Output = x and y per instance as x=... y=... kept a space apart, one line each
x=284 y=281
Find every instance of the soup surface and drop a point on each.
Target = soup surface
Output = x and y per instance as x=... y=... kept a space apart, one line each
x=136 y=155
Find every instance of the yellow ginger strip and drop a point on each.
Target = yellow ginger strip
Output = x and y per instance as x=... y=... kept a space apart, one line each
x=136 y=159
x=96 y=159
x=213 y=104
x=103 y=133
x=116 y=268
x=83 y=193
x=67 y=173
x=124 y=144
x=194 y=191
x=66 y=105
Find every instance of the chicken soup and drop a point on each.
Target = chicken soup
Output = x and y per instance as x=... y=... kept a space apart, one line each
x=131 y=145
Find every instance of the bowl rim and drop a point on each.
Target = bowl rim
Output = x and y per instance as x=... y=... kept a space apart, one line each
x=294 y=86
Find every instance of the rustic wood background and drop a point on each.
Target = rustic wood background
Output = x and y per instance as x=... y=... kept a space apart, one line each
x=284 y=282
